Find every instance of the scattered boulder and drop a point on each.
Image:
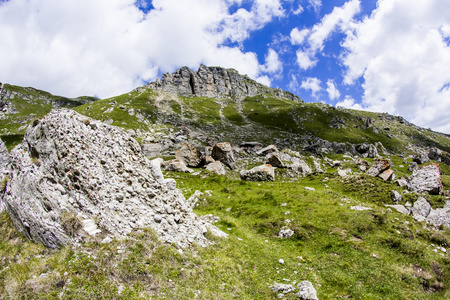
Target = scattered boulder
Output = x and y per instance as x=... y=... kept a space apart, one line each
x=267 y=150
x=94 y=177
x=400 y=208
x=439 y=155
x=387 y=175
x=440 y=216
x=344 y=173
x=208 y=160
x=216 y=167
x=290 y=160
x=396 y=196
x=421 y=209
x=176 y=165
x=251 y=146
x=191 y=156
x=285 y=233
x=363 y=164
x=151 y=149
x=402 y=182
x=379 y=166
x=282 y=288
x=367 y=150
x=307 y=291
x=426 y=179
x=223 y=152
x=421 y=158
x=260 y=173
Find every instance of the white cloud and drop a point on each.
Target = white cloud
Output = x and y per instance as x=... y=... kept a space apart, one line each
x=340 y=18
x=403 y=54
x=298 y=11
x=312 y=40
x=312 y=84
x=108 y=47
x=333 y=92
x=305 y=60
x=298 y=36
x=349 y=102
x=273 y=63
x=316 y=4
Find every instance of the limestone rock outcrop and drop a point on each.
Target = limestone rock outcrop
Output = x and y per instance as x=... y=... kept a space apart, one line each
x=215 y=82
x=426 y=179
x=73 y=176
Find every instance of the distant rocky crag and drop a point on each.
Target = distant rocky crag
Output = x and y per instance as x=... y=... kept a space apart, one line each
x=74 y=177
x=215 y=82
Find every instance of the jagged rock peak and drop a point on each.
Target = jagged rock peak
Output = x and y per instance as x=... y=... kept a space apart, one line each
x=74 y=176
x=215 y=82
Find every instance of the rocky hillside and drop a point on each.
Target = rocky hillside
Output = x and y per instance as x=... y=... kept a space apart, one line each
x=19 y=106
x=317 y=202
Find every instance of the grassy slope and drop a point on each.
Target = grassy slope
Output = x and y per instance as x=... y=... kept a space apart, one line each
x=31 y=103
x=277 y=118
x=373 y=254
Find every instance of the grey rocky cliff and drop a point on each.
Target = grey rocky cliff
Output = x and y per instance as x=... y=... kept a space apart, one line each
x=70 y=166
x=215 y=82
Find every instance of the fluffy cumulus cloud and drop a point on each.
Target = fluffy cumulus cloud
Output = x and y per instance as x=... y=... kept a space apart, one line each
x=349 y=102
x=312 y=84
x=402 y=52
x=333 y=92
x=107 y=47
x=312 y=40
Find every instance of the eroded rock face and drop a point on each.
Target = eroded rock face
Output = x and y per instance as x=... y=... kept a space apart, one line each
x=5 y=161
x=215 y=82
x=72 y=167
x=426 y=179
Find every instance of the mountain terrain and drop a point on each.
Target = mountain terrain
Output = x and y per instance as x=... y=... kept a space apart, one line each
x=206 y=184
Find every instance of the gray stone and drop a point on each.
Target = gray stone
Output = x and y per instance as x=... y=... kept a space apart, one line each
x=379 y=166
x=73 y=174
x=396 y=196
x=214 y=82
x=267 y=150
x=190 y=155
x=421 y=209
x=176 y=165
x=307 y=291
x=223 y=152
x=260 y=173
x=216 y=167
x=285 y=233
x=386 y=175
x=400 y=208
x=282 y=288
x=426 y=179
x=155 y=167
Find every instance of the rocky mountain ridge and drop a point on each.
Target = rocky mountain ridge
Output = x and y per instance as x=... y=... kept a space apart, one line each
x=215 y=82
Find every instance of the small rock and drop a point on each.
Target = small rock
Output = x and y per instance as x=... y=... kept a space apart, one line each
x=307 y=291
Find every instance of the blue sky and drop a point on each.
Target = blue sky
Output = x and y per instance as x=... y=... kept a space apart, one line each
x=379 y=55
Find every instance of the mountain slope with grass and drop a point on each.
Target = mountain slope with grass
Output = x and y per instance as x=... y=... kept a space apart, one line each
x=323 y=219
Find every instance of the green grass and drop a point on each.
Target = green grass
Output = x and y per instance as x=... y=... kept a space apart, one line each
x=345 y=253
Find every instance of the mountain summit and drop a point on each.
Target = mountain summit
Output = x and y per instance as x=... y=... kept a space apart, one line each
x=215 y=82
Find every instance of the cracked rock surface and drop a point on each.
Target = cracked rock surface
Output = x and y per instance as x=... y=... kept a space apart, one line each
x=70 y=167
